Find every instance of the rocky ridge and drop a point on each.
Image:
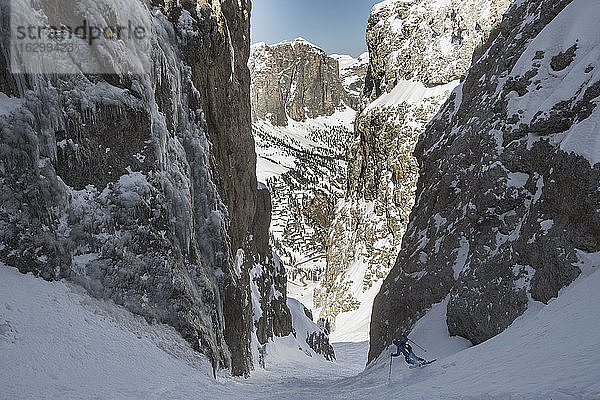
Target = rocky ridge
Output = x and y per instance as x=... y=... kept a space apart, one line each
x=142 y=188
x=507 y=205
x=418 y=51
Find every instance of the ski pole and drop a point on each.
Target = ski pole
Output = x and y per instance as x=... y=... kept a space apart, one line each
x=390 y=374
x=416 y=344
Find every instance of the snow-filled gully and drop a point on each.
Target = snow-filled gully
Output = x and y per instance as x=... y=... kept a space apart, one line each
x=56 y=342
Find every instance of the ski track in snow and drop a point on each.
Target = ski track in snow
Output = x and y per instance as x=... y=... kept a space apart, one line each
x=56 y=342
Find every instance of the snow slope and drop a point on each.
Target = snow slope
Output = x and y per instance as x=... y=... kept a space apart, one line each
x=58 y=343
x=277 y=146
x=353 y=326
x=548 y=353
x=412 y=93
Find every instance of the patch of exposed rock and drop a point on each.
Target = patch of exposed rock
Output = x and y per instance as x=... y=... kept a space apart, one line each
x=353 y=72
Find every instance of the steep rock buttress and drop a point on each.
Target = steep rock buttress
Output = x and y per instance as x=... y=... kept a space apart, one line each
x=418 y=51
x=507 y=204
x=142 y=187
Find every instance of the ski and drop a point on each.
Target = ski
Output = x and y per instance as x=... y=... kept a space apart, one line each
x=421 y=364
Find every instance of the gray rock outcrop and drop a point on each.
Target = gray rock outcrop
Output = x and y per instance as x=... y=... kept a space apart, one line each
x=295 y=79
x=418 y=51
x=507 y=203
x=425 y=41
x=142 y=188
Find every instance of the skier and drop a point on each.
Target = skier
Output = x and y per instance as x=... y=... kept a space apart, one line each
x=403 y=348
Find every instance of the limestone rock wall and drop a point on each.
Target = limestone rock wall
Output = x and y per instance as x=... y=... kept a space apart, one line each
x=418 y=51
x=507 y=200
x=425 y=41
x=142 y=188
x=295 y=79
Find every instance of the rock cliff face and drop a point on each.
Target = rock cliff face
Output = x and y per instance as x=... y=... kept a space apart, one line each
x=295 y=79
x=417 y=52
x=431 y=42
x=142 y=188
x=508 y=204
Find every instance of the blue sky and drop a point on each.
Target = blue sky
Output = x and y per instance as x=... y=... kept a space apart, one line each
x=337 y=26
